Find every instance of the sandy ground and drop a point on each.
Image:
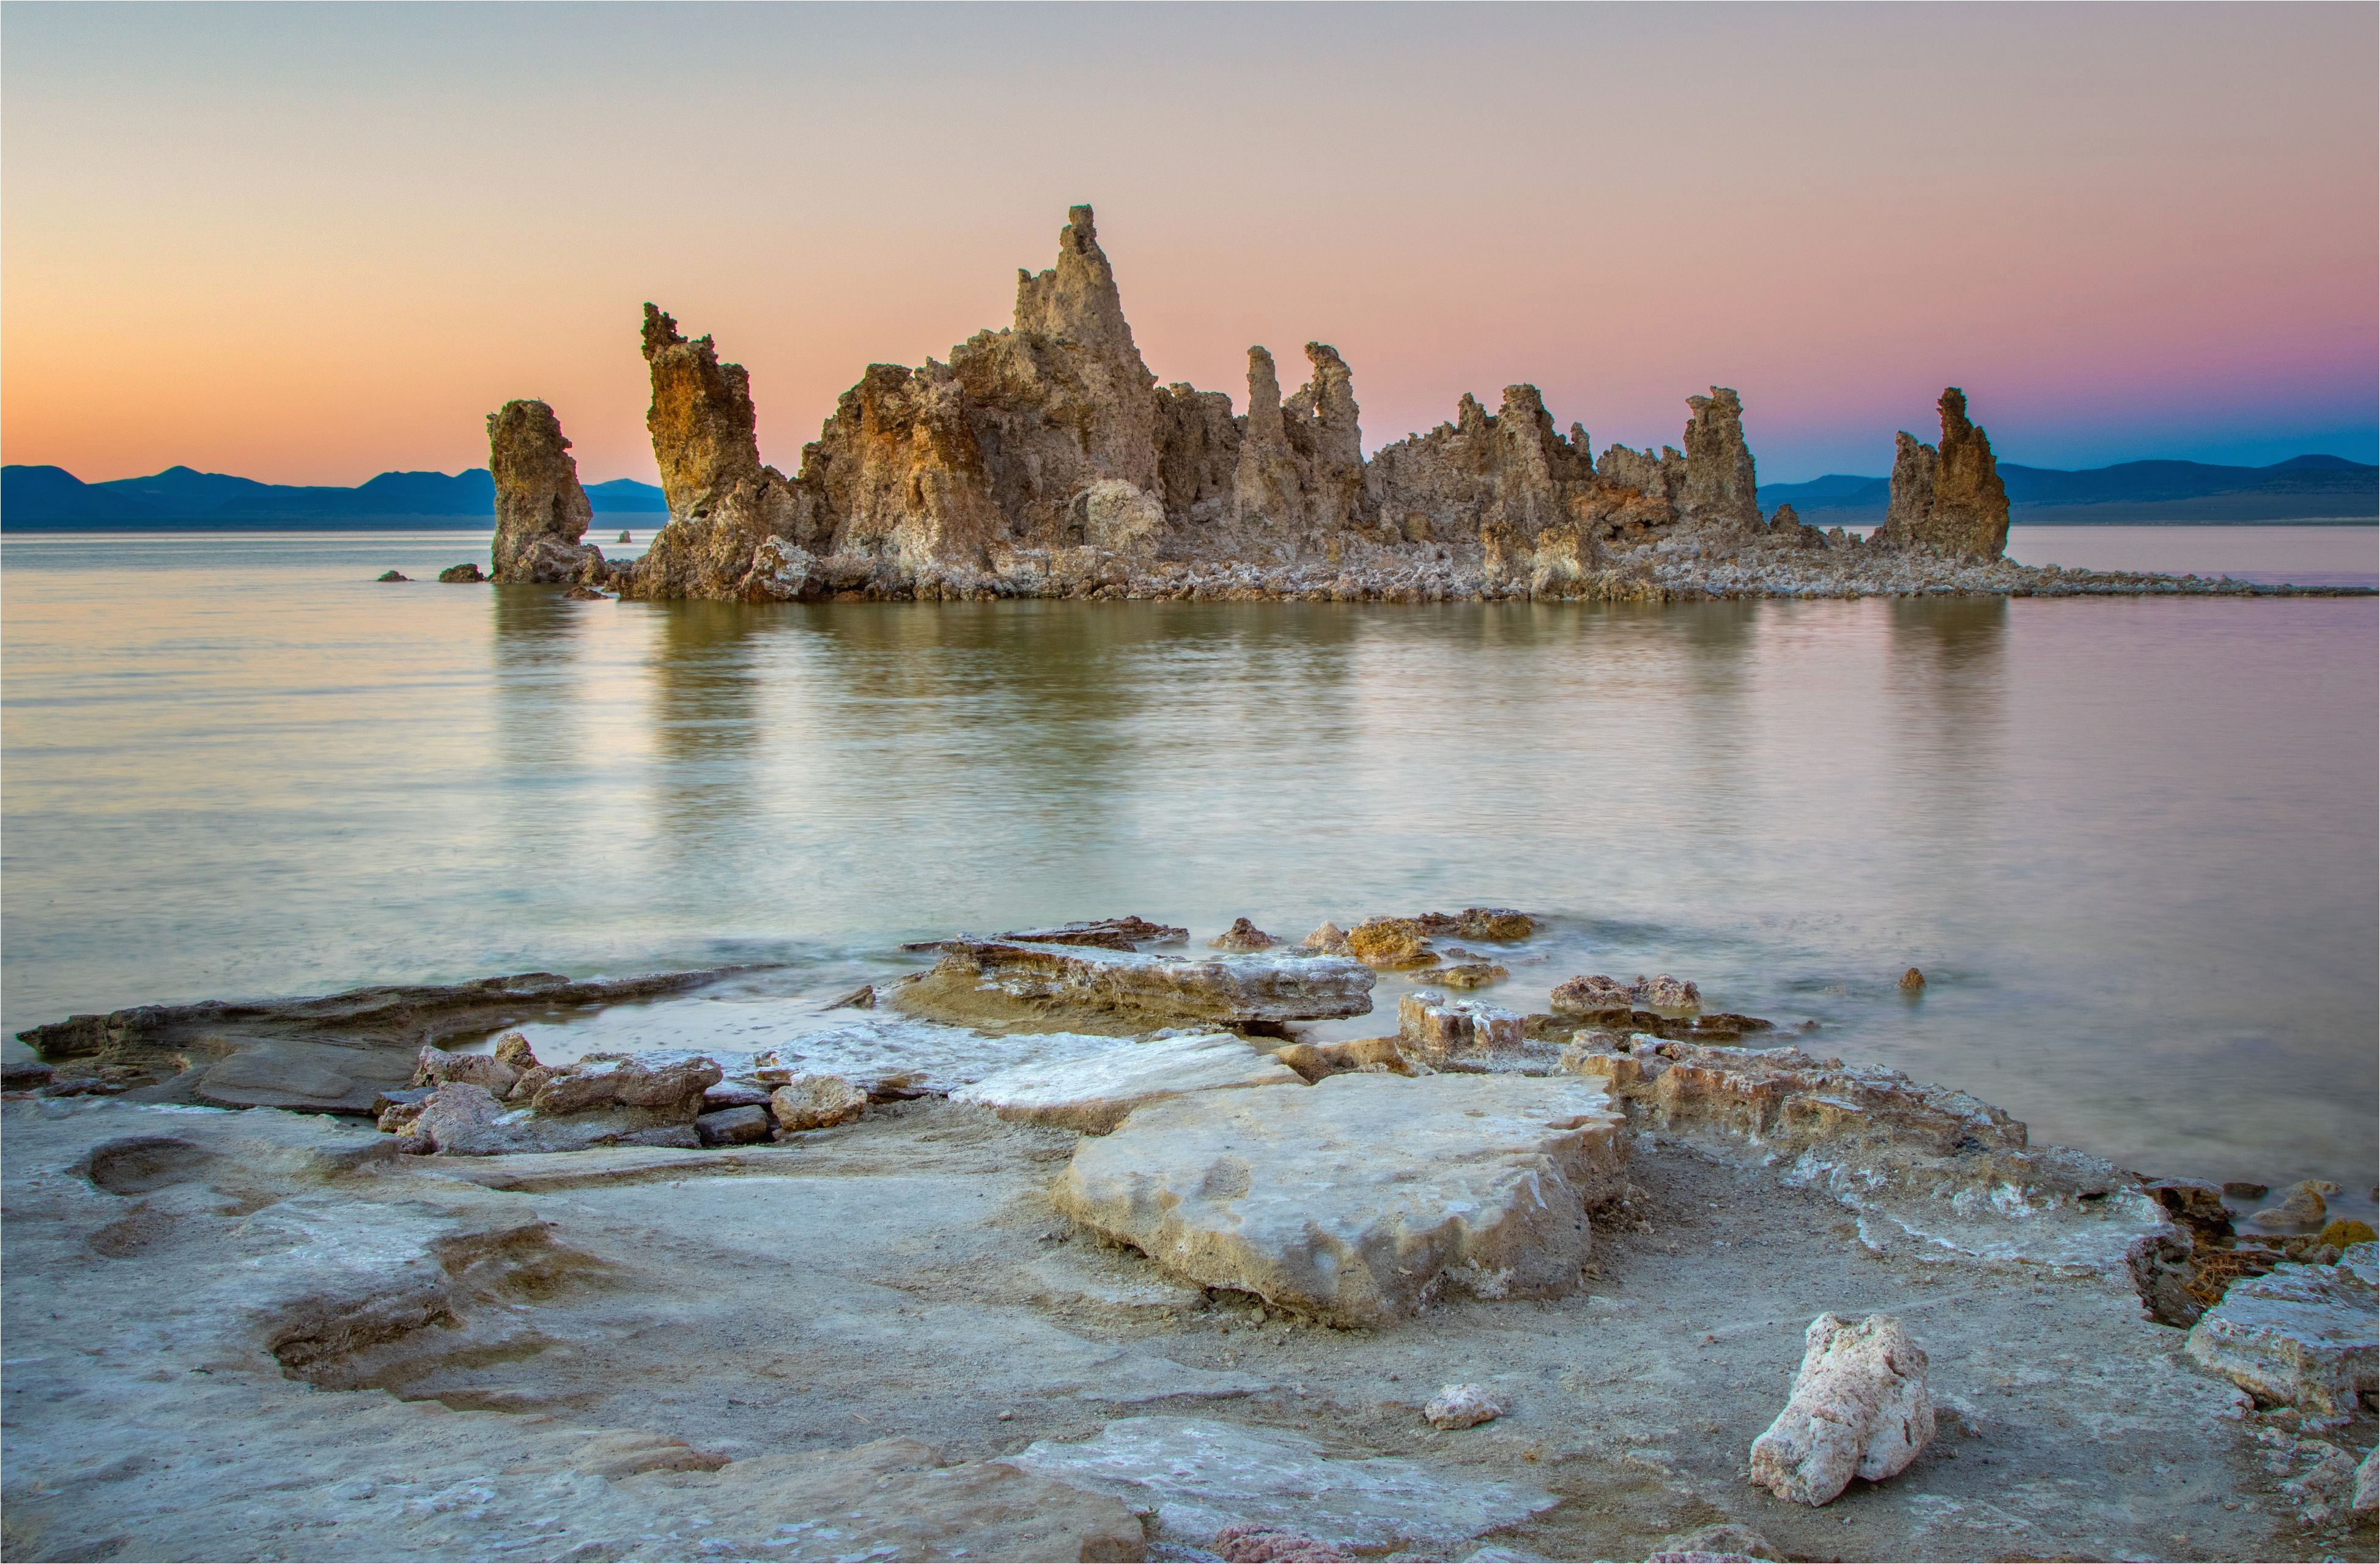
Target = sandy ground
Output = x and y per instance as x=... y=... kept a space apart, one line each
x=906 y=1274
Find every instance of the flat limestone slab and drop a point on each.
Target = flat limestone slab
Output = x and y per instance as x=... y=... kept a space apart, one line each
x=1360 y=1196
x=2303 y=1336
x=1201 y=1476
x=1231 y=991
x=1093 y=1093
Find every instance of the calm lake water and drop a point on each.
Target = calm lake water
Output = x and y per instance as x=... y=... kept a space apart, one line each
x=2132 y=844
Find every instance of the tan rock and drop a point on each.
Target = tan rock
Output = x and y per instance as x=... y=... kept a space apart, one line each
x=1358 y=1197
x=1461 y=1406
x=1380 y=1055
x=541 y=512
x=1233 y=989
x=1666 y=992
x=436 y=1067
x=1389 y=942
x=816 y=1102
x=1093 y=1094
x=1330 y=939
x=1721 y=489
x=1950 y=499
x=2301 y=1206
x=625 y=1452
x=1435 y=1026
x=1242 y=936
x=512 y=1049
x=1470 y=975
x=1858 y=1407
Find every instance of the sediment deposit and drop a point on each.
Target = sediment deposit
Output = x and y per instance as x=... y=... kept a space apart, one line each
x=1102 y=1276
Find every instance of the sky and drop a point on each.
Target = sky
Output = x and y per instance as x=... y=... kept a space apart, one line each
x=308 y=244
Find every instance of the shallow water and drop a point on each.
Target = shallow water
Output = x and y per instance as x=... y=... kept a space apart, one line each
x=2132 y=844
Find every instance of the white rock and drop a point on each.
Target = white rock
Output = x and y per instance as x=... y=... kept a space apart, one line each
x=886 y=1054
x=1229 y=990
x=2303 y=1336
x=1859 y=1408
x=1359 y=1197
x=1092 y=1093
x=1199 y=1476
x=1461 y=1406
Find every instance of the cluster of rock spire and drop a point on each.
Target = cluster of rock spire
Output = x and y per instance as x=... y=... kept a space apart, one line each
x=1049 y=443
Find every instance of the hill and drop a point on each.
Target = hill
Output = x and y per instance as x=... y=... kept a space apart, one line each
x=49 y=497
x=2301 y=488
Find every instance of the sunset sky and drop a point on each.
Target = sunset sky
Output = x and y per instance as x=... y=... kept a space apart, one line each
x=308 y=244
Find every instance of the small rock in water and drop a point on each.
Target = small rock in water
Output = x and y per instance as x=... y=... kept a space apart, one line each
x=623 y=536
x=1859 y=1408
x=816 y=1102
x=393 y=575
x=585 y=594
x=1330 y=939
x=1666 y=992
x=1389 y=942
x=861 y=997
x=1242 y=936
x=1596 y=995
x=467 y=571
x=2301 y=1206
x=1913 y=980
x=2241 y=1189
x=1461 y=1406
x=1470 y=975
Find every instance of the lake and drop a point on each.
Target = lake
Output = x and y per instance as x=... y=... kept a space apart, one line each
x=2130 y=843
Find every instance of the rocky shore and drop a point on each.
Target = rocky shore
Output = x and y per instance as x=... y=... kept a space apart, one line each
x=1044 y=460
x=1076 y=1243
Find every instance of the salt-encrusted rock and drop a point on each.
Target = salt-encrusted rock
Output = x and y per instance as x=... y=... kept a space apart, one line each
x=892 y=1056
x=1380 y=1055
x=733 y=1126
x=1725 y=1541
x=1358 y=1197
x=1666 y=992
x=1242 y=936
x=816 y=1102
x=1093 y=1094
x=668 y=1082
x=1950 y=500
x=1233 y=990
x=436 y=1067
x=1435 y=1026
x=1461 y=1406
x=899 y=1498
x=1859 y=1408
x=1195 y=1479
x=462 y=1119
x=1592 y=996
x=541 y=512
x=2303 y=1336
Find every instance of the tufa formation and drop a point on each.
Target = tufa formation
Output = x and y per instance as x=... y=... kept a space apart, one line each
x=1045 y=460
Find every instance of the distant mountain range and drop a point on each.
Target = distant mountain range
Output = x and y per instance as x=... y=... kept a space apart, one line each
x=2301 y=488
x=33 y=497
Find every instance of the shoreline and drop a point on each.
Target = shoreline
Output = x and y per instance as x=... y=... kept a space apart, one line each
x=615 y=1352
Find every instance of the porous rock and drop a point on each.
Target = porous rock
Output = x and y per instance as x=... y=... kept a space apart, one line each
x=1435 y=1026
x=1093 y=1094
x=1231 y=990
x=1859 y=1408
x=1196 y=1478
x=1461 y=1406
x=2302 y=1336
x=1358 y=1197
x=1949 y=499
x=1242 y=936
x=1470 y=975
x=541 y=511
x=816 y=1102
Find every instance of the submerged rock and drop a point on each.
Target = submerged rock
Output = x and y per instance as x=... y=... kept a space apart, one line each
x=1242 y=936
x=1233 y=990
x=1470 y=975
x=1362 y=1195
x=1092 y=1093
x=466 y=571
x=392 y=576
x=1196 y=1479
x=2303 y=1336
x=1858 y=1407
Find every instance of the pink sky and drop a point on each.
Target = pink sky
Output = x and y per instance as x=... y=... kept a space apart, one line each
x=309 y=244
